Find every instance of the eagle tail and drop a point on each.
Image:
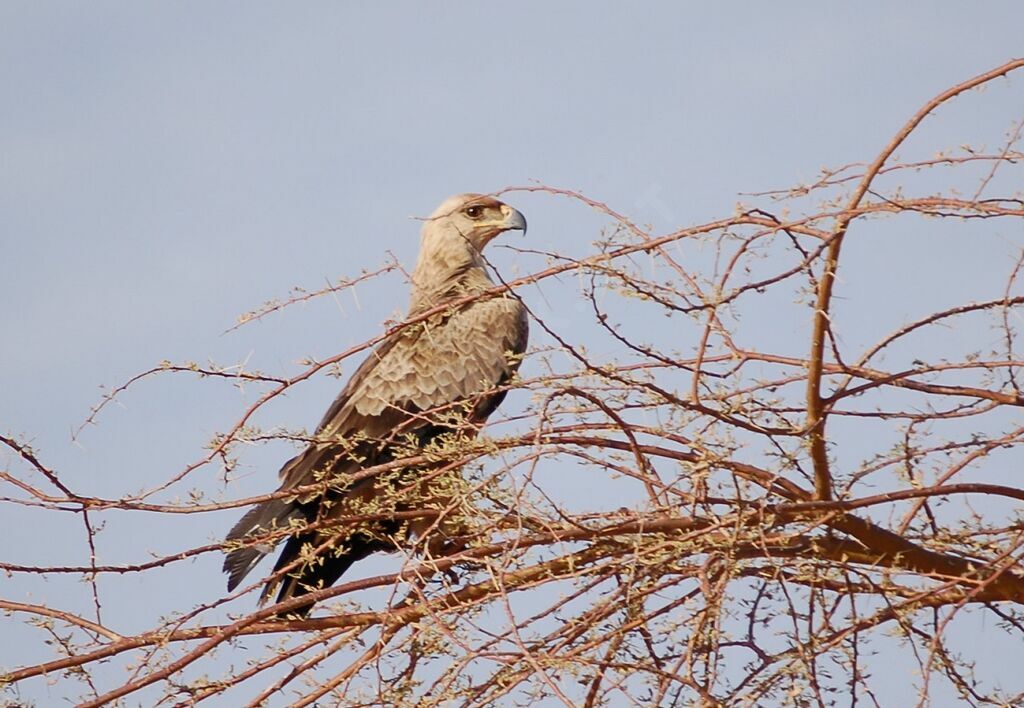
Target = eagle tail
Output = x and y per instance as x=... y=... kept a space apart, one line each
x=276 y=513
x=320 y=572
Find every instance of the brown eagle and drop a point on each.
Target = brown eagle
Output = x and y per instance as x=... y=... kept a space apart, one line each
x=436 y=378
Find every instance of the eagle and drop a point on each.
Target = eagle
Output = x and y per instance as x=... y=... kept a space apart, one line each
x=436 y=379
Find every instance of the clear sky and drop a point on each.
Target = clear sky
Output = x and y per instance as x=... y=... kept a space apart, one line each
x=165 y=167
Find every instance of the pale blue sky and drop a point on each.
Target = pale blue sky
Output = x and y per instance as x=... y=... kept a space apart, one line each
x=167 y=167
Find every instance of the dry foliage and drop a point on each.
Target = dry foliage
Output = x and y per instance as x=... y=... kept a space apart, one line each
x=682 y=514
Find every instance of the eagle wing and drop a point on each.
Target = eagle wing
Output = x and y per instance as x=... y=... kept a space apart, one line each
x=449 y=358
x=452 y=357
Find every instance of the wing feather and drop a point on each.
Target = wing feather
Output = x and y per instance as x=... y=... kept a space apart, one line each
x=448 y=358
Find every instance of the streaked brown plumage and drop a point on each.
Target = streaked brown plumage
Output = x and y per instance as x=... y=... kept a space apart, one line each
x=418 y=385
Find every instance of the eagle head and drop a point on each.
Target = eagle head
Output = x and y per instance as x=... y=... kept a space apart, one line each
x=472 y=218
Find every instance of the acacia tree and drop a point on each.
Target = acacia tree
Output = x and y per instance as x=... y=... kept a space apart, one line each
x=676 y=514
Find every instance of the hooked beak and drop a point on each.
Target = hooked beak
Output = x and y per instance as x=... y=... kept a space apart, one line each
x=514 y=220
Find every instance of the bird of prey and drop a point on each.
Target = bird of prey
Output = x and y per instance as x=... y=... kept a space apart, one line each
x=430 y=381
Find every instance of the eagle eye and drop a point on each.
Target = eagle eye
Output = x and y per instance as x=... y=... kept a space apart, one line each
x=474 y=212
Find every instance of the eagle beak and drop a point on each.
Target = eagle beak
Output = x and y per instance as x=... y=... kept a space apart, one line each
x=514 y=221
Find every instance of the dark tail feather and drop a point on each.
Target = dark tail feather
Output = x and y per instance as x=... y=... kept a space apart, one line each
x=276 y=513
x=320 y=573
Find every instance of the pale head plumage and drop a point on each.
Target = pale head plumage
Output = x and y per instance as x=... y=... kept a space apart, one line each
x=452 y=240
x=476 y=218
